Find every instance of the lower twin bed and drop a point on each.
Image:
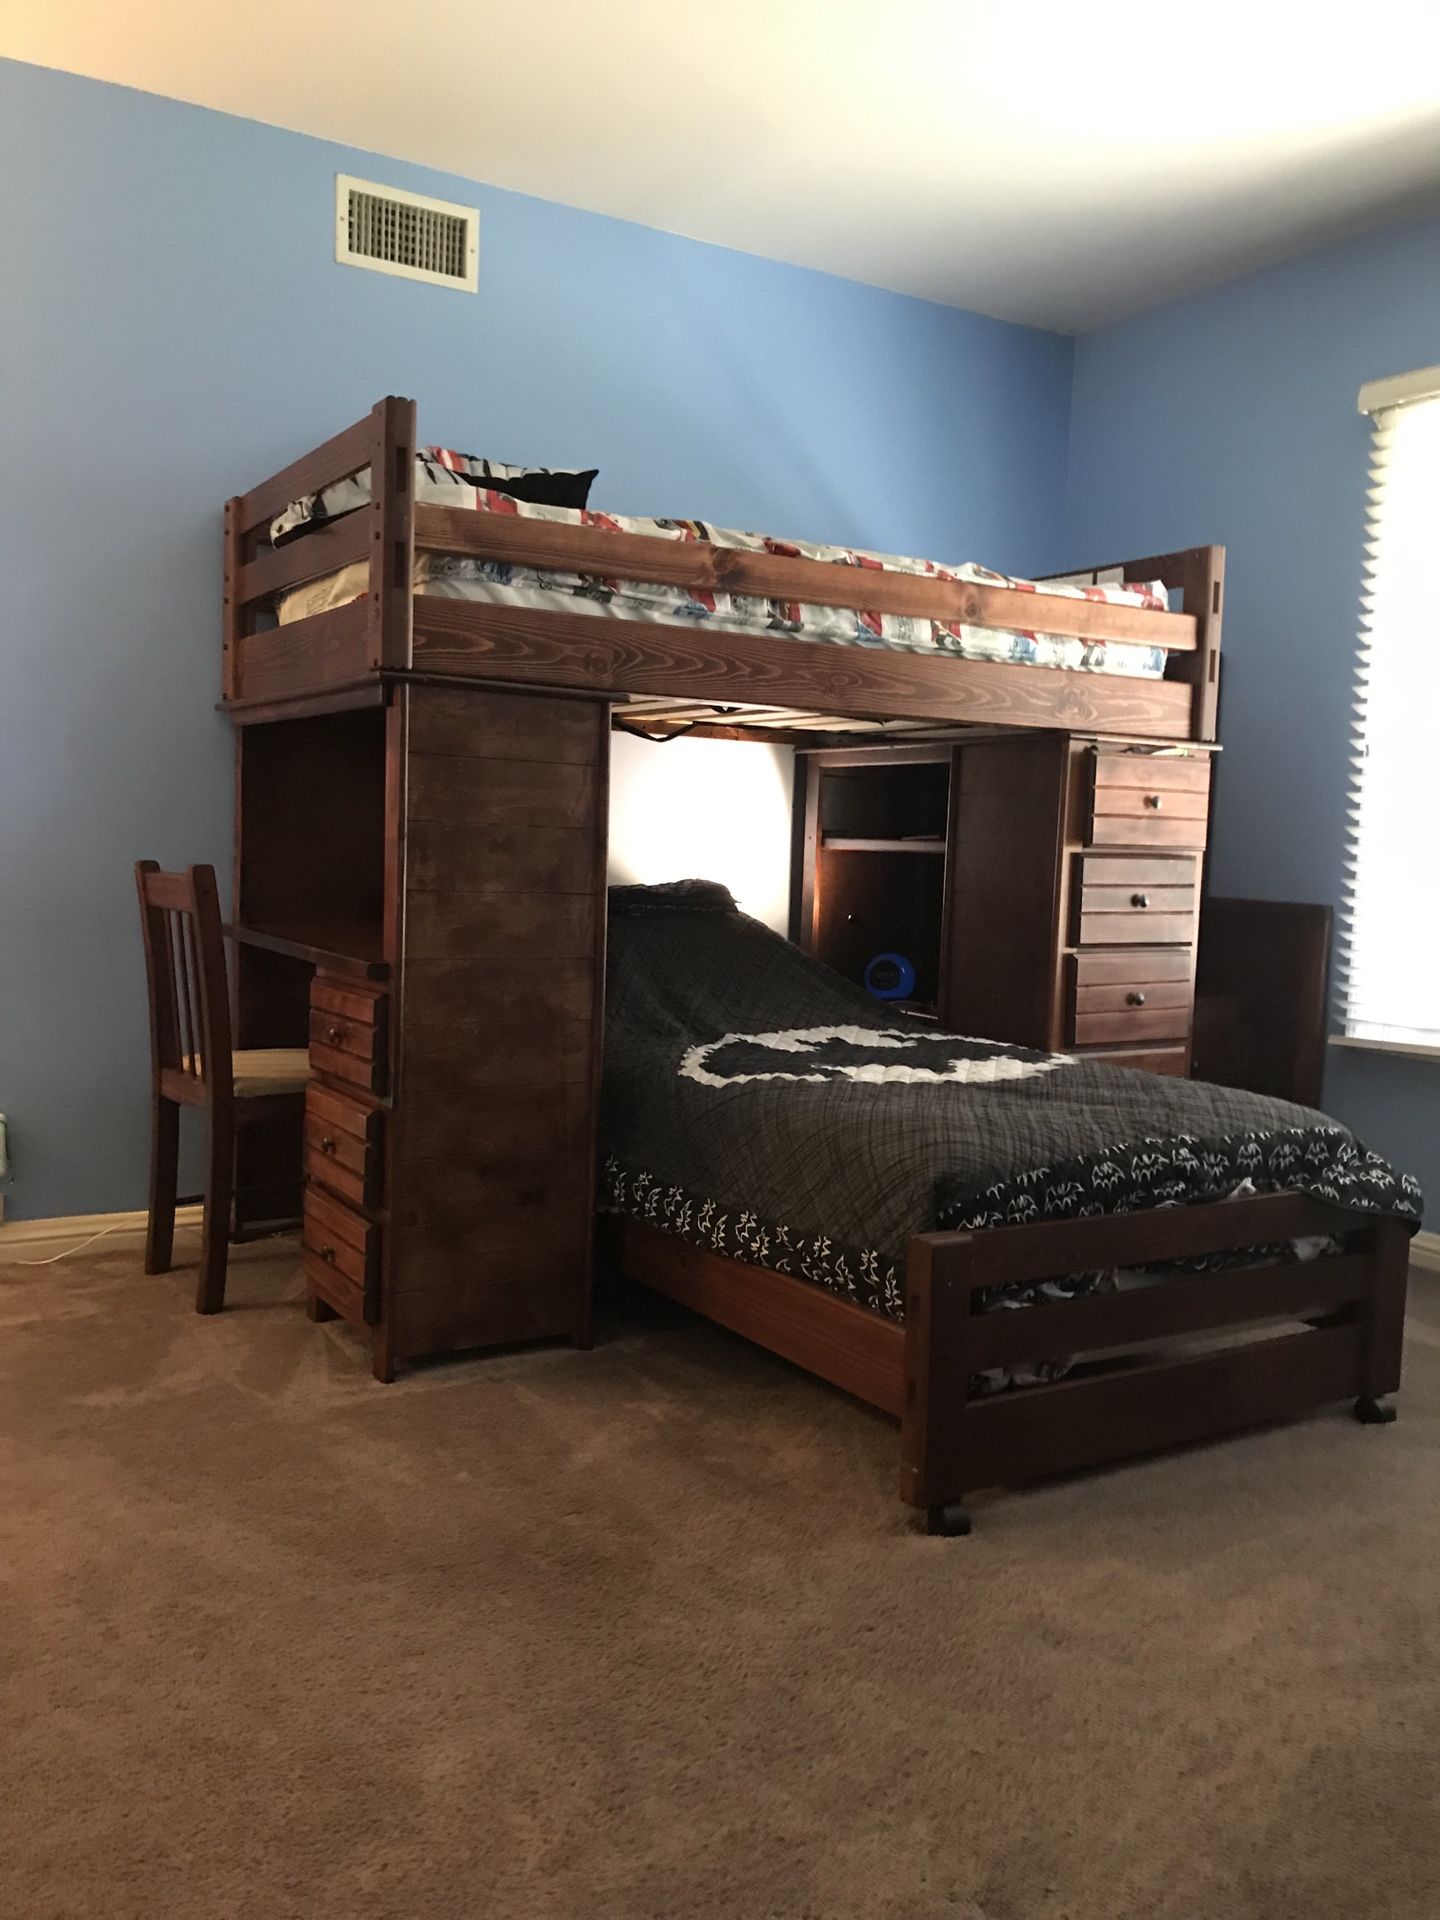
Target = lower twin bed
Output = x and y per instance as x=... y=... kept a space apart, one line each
x=794 y=1160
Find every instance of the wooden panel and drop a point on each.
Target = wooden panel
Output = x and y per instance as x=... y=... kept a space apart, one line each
x=1133 y=899
x=1262 y=997
x=491 y=928
x=491 y=1183
x=1133 y=929
x=363 y=1070
x=1141 y=801
x=1003 y=909
x=335 y=460
x=351 y=1002
x=1051 y=1247
x=1170 y=775
x=325 y=550
x=514 y=1126
x=544 y=860
x=1135 y=967
x=335 y=1236
x=1080 y=1423
x=1170 y=1060
x=517 y=726
x=1156 y=993
x=845 y=1344
x=338 y=1112
x=346 y=1161
x=326 y=650
x=337 y=1289
x=717 y=569
x=392 y=552
x=1183 y=1304
x=622 y=656
x=1128 y=1025
x=500 y=793
x=331 y=1162
x=1139 y=870
x=1150 y=830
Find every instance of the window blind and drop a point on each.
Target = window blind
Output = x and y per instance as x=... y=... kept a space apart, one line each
x=1390 y=947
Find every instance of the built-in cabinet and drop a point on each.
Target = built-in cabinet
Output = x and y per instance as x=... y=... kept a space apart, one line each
x=1045 y=887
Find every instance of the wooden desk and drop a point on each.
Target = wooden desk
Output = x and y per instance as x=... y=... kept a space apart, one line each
x=353 y=952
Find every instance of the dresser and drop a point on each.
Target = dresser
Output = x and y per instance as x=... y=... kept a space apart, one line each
x=1045 y=886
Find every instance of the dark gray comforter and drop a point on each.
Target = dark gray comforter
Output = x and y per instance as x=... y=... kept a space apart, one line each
x=757 y=1104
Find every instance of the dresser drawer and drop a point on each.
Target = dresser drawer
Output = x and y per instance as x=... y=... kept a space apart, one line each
x=348 y=1033
x=1124 y=898
x=1124 y=1011
x=343 y=1145
x=1137 y=967
x=341 y=1253
x=1171 y=1060
x=1148 y=800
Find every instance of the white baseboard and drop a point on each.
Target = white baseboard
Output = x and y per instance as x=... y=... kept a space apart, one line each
x=1425 y=1252
x=21 y=1235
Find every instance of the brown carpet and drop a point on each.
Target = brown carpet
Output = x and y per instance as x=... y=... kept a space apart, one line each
x=643 y=1632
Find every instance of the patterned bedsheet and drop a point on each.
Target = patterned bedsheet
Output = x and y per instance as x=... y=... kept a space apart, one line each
x=758 y=1105
x=460 y=578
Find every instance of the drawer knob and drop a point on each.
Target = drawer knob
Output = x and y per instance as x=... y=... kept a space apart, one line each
x=1139 y=899
x=327 y=1145
x=334 y=1035
x=1154 y=802
x=1134 y=999
x=327 y=1254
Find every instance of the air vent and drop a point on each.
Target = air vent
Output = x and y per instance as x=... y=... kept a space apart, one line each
x=406 y=233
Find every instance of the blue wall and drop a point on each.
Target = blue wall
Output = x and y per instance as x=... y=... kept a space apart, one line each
x=173 y=327
x=1231 y=417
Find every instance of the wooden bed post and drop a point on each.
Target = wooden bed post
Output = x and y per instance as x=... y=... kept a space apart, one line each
x=1383 y=1325
x=392 y=531
x=933 y=1425
x=231 y=615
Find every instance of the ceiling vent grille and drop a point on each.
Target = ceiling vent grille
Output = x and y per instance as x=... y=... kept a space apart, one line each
x=408 y=234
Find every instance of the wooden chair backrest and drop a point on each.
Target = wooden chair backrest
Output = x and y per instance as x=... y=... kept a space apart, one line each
x=185 y=973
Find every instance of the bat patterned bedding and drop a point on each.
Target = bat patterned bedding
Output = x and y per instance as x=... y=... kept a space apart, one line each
x=760 y=1106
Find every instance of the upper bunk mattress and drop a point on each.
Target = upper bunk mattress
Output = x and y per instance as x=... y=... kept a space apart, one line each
x=500 y=583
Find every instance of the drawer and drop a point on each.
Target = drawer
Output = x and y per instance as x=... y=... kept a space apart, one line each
x=341 y=1251
x=343 y=1145
x=1124 y=1012
x=1148 y=800
x=1134 y=968
x=348 y=1038
x=1114 y=891
x=1171 y=1060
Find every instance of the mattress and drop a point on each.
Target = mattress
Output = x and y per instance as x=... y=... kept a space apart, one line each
x=758 y=1105
x=495 y=582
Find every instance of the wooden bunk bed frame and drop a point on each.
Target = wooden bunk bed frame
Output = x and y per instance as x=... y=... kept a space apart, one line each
x=1302 y=1335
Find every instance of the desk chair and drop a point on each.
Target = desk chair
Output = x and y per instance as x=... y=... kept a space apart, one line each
x=192 y=1064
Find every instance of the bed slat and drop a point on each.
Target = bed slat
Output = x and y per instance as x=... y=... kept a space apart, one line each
x=714 y=569
x=1175 y=1305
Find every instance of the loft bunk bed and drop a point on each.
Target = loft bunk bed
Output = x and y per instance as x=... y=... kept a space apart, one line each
x=421 y=884
x=669 y=676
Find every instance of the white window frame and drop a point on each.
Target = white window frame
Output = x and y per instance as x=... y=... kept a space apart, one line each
x=1379 y=399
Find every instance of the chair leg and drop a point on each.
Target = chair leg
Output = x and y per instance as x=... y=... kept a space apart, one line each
x=164 y=1177
x=219 y=1193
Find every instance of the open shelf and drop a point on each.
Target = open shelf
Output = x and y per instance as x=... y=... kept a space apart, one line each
x=352 y=948
x=865 y=843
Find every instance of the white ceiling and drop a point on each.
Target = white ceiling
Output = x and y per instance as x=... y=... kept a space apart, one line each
x=1056 y=163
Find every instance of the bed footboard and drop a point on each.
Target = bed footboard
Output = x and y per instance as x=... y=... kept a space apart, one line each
x=1348 y=1309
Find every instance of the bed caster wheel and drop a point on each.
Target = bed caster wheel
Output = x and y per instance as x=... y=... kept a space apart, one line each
x=950 y=1523
x=1374 y=1413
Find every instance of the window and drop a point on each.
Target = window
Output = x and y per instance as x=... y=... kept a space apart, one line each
x=1391 y=944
